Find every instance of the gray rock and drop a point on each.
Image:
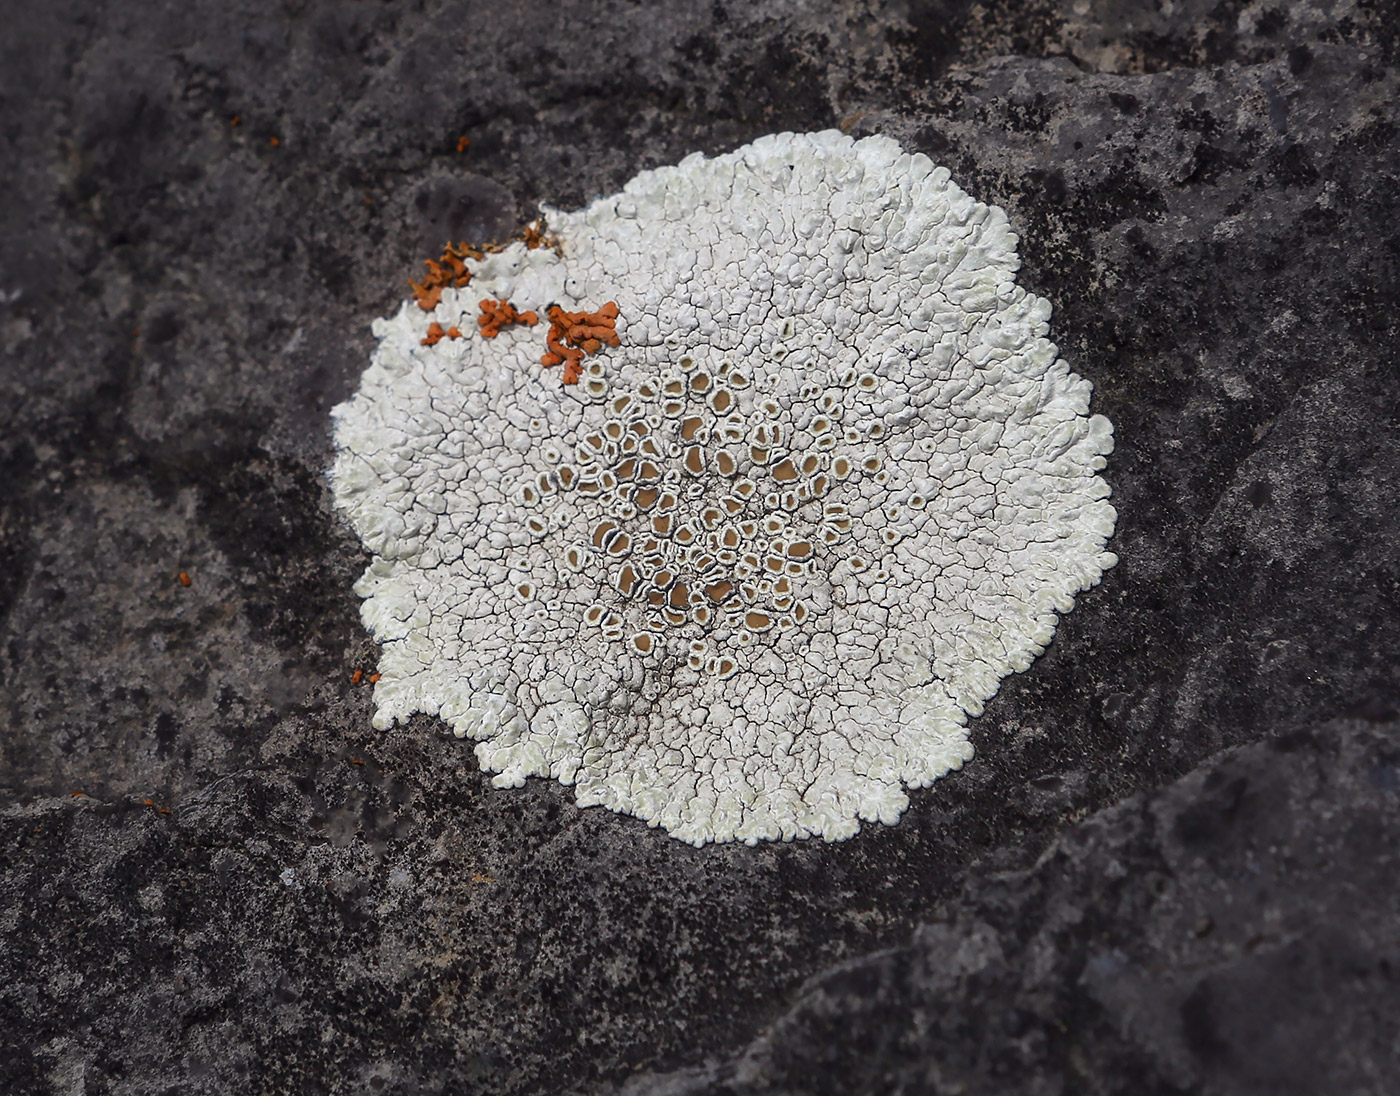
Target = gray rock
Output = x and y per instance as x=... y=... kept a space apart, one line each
x=1209 y=194
x=1235 y=932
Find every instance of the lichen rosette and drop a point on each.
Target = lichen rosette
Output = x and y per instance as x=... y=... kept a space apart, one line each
x=750 y=576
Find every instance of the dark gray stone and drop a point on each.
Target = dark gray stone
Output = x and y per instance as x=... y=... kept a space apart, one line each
x=1209 y=192
x=1235 y=932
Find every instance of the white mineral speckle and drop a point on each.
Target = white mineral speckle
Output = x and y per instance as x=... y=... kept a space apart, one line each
x=748 y=579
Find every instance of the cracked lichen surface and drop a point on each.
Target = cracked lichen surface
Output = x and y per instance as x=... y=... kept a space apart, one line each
x=748 y=578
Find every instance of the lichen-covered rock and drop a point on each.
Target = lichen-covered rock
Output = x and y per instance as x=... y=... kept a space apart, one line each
x=748 y=579
x=1207 y=194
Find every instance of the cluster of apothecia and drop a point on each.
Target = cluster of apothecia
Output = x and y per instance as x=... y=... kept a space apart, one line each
x=709 y=504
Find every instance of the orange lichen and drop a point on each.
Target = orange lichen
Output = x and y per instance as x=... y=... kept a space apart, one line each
x=426 y=294
x=185 y=579
x=497 y=314
x=575 y=334
x=447 y=271
x=437 y=332
x=474 y=251
x=535 y=235
x=451 y=270
x=374 y=679
x=463 y=143
x=456 y=269
x=357 y=677
x=464 y=250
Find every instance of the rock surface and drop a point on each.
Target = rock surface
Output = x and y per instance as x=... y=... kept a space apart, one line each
x=201 y=209
x=1234 y=932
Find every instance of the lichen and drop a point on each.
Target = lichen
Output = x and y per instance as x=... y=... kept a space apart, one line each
x=749 y=577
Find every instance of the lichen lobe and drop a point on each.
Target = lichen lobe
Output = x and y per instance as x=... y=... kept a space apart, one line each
x=749 y=577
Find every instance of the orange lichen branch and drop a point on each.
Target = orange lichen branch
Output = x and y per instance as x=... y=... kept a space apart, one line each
x=464 y=250
x=497 y=314
x=456 y=268
x=442 y=273
x=450 y=270
x=437 y=333
x=535 y=234
x=574 y=334
x=426 y=294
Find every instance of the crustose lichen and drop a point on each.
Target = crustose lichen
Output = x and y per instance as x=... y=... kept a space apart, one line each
x=747 y=577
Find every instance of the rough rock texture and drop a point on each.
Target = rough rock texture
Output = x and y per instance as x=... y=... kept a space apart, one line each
x=1207 y=191
x=1234 y=932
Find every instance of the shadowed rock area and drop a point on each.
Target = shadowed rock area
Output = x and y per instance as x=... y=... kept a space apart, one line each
x=215 y=877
